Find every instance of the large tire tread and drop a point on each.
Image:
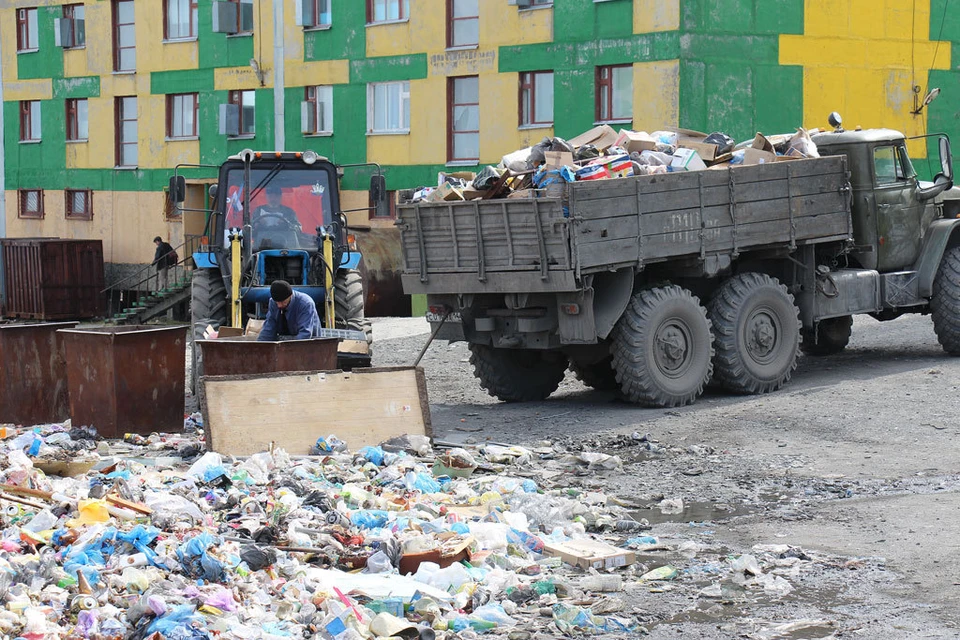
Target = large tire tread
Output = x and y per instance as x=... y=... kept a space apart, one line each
x=831 y=336
x=945 y=304
x=515 y=375
x=348 y=300
x=599 y=375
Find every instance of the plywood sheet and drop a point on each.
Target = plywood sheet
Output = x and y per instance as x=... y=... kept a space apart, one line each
x=247 y=414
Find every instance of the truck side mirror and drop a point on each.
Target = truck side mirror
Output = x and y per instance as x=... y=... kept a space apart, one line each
x=178 y=189
x=946 y=158
x=213 y=192
x=378 y=195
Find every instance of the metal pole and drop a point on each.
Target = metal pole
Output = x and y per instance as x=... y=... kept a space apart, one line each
x=278 y=80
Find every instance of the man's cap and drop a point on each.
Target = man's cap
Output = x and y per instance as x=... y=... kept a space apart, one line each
x=274 y=189
x=158 y=239
x=280 y=290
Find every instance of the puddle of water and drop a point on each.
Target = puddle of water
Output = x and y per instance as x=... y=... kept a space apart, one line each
x=694 y=512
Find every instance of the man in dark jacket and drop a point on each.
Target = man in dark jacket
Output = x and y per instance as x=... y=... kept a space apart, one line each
x=291 y=315
x=163 y=259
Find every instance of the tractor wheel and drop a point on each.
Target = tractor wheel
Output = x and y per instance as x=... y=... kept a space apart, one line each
x=831 y=336
x=208 y=306
x=348 y=300
x=945 y=303
x=599 y=375
x=517 y=375
x=662 y=348
x=757 y=334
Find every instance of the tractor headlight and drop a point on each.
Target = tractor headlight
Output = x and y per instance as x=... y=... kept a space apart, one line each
x=309 y=157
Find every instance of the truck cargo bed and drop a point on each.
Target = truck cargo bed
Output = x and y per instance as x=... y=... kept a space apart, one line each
x=528 y=245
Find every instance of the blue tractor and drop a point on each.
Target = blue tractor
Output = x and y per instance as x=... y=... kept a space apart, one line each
x=278 y=216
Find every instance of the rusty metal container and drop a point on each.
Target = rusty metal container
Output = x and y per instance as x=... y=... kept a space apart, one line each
x=127 y=379
x=33 y=374
x=234 y=357
x=53 y=279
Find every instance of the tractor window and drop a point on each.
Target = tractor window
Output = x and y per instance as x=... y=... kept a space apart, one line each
x=892 y=164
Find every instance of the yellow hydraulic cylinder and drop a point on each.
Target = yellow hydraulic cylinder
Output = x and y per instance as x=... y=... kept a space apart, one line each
x=236 y=240
x=328 y=303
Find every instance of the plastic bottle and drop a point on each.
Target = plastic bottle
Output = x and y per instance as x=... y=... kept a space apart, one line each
x=528 y=540
x=461 y=623
x=602 y=583
x=43 y=521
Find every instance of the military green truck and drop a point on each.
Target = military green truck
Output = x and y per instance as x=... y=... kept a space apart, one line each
x=656 y=285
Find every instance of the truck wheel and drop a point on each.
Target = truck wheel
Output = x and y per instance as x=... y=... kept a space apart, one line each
x=662 y=348
x=599 y=375
x=348 y=303
x=208 y=306
x=757 y=334
x=831 y=336
x=945 y=303
x=517 y=375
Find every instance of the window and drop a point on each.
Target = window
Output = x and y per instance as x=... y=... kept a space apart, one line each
x=463 y=28
x=77 y=35
x=317 y=115
x=78 y=204
x=30 y=203
x=27 y=39
x=536 y=98
x=891 y=165
x=124 y=36
x=126 y=125
x=182 y=115
x=179 y=19
x=388 y=107
x=244 y=10
x=29 y=121
x=538 y=3
x=615 y=93
x=387 y=10
x=316 y=13
x=463 y=141
x=246 y=103
x=77 y=128
x=391 y=212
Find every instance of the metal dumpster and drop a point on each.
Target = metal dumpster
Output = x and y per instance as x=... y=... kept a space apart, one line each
x=235 y=357
x=33 y=375
x=53 y=279
x=127 y=379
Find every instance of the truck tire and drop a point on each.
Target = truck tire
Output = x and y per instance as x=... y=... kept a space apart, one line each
x=348 y=303
x=208 y=306
x=599 y=375
x=831 y=336
x=945 y=303
x=663 y=348
x=756 y=332
x=517 y=375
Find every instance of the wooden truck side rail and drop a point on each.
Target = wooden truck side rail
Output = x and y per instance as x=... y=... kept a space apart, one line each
x=527 y=245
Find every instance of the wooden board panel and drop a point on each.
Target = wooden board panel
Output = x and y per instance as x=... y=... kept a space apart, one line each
x=246 y=414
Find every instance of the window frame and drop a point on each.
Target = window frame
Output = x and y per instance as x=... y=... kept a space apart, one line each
x=170 y=100
x=119 y=119
x=68 y=212
x=608 y=87
x=315 y=101
x=194 y=20
x=23 y=29
x=21 y=199
x=235 y=96
x=69 y=13
x=531 y=86
x=240 y=30
x=372 y=108
x=117 y=49
x=26 y=121
x=72 y=112
x=403 y=11
x=451 y=26
x=392 y=209
x=537 y=4
x=451 y=108
x=316 y=16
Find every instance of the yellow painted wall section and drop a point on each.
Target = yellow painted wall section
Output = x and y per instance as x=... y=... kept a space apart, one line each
x=656 y=95
x=427 y=141
x=8 y=53
x=237 y=78
x=99 y=152
x=77 y=155
x=27 y=90
x=152 y=53
x=126 y=221
x=424 y=31
x=499 y=117
x=302 y=74
x=502 y=24
x=355 y=200
x=864 y=61
x=656 y=15
x=155 y=151
x=96 y=58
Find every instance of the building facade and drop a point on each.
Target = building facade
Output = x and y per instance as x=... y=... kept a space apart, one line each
x=103 y=98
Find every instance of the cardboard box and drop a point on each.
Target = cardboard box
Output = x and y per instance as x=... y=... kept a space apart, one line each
x=687 y=160
x=523 y=193
x=557 y=159
x=756 y=156
x=638 y=141
x=706 y=150
x=593 y=172
x=602 y=137
x=590 y=553
x=445 y=193
x=763 y=143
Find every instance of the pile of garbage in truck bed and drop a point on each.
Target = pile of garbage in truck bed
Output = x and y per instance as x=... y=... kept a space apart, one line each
x=603 y=154
x=157 y=539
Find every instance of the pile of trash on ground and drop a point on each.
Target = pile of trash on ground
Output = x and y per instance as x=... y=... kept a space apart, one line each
x=603 y=154
x=158 y=539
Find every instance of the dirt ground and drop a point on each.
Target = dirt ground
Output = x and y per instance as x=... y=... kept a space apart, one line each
x=853 y=465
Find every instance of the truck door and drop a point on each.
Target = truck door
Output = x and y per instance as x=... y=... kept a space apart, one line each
x=898 y=209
